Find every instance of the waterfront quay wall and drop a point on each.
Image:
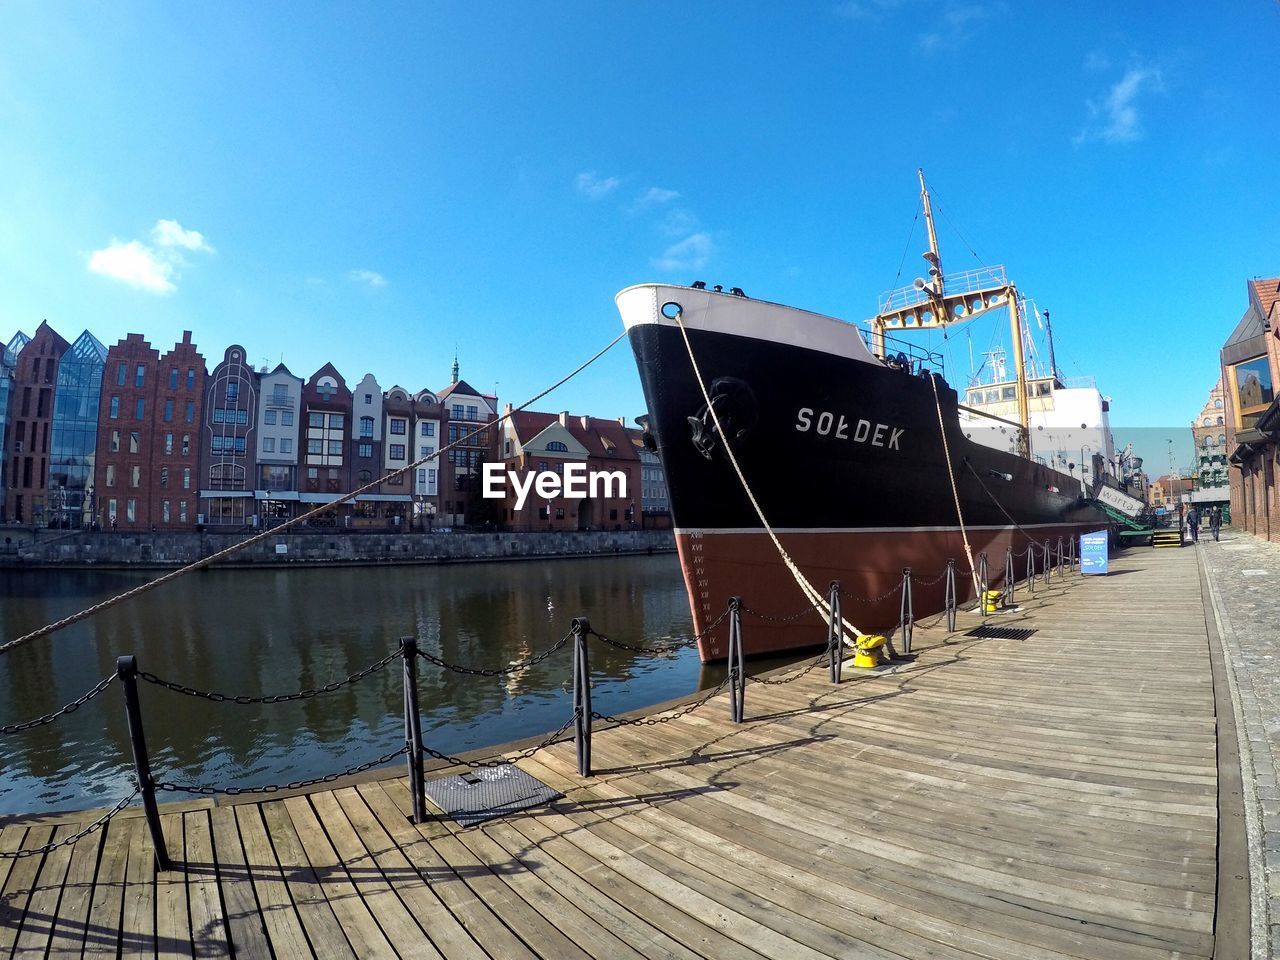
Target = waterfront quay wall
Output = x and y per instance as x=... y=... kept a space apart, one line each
x=53 y=548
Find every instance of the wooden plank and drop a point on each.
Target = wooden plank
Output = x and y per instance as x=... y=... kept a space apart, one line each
x=276 y=913
x=72 y=933
x=448 y=935
x=42 y=908
x=173 y=917
x=246 y=929
x=395 y=921
x=16 y=893
x=359 y=925
x=106 y=911
x=324 y=932
x=209 y=933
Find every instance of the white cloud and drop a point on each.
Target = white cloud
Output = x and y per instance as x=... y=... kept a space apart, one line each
x=957 y=25
x=369 y=277
x=595 y=187
x=691 y=253
x=678 y=222
x=1115 y=118
x=151 y=268
x=133 y=263
x=169 y=233
x=866 y=9
x=653 y=197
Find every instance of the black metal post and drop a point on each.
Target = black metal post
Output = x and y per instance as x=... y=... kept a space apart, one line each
x=737 y=663
x=1071 y=552
x=1059 y=558
x=1045 y=565
x=127 y=671
x=835 y=631
x=413 y=729
x=906 y=610
x=951 y=596
x=983 y=574
x=582 y=695
x=1031 y=568
x=1009 y=580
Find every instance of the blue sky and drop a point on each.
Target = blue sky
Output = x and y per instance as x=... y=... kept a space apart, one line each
x=375 y=184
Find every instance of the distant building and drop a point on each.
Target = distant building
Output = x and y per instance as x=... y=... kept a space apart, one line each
x=228 y=453
x=8 y=365
x=429 y=423
x=548 y=442
x=326 y=459
x=280 y=399
x=75 y=434
x=1167 y=491
x=1209 y=433
x=1250 y=361
x=471 y=416
x=655 y=505
x=35 y=378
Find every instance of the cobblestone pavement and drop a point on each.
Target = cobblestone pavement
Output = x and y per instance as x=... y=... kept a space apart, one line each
x=1242 y=574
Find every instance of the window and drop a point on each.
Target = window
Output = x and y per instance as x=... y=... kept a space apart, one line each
x=337 y=421
x=168 y=411
x=139 y=375
x=140 y=409
x=216 y=445
x=313 y=473
x=133 y=441
x=1207 y=421
x=427 y=428
x=280 y=393
x=286 y=445
x=115 y=408
x=112 y=509
x=173 y=382
x=422 y=475
x=1253 y=388
x=315 y=420
x=131 y=510
x=557 y=446
x=191 y=411
x=286 y=418
x=365 y=450
x=240 y=445
x=1222 y=439
x=115 y=440
x=426 y=451
x=219 y=415
x=122 y=373
x=182 y=511
x=506 y=448
x=186 y=444
x=472 y=414
x=269 y=418
x=335 y=448
x=398 y=426
x=233 y=389
x=559 y=513
x=456 y=411
x=268 y=444
x=164 y=476
x=1218 y=403
x=397 y=451
x=368 y=398
x=191 y=385
x=186 y=478
x=111 y=474
x=366 y=476
x=315 y=446
x=164 y=504
x=366 y=426
x=431 y=478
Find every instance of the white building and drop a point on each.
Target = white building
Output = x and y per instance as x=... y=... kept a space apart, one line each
x=276 y=491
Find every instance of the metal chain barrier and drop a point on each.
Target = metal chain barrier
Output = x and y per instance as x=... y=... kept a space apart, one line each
x=71 y=707
x=207 y=791
x=270 y=698
x=817 y=662
x=677 y=644
x=759 y=615
x=524 y=664
x=667 y=717
x=68 y=841
x=524 y=754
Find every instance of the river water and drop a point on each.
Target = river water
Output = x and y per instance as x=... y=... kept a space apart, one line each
x=256 y=632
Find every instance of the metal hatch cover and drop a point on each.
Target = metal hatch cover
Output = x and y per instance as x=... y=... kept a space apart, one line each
x=479 y=795
x=1001 y=633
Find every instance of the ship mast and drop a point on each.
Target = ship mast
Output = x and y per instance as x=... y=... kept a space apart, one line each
x=937 y=302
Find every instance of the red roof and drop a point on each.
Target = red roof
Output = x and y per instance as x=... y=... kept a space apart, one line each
x=598 y=436
x=1266 y=292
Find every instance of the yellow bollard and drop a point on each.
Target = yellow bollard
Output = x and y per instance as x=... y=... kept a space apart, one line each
x=991 y=601
x=868 y=651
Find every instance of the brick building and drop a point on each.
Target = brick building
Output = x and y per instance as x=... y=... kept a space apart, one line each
x=326 y=436
x=30 y=423
x=540 y=442
x=1250 y=362
x=172 y=496
x=471 y=416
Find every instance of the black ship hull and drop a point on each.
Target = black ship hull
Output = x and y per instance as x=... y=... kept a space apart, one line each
x=845 y=457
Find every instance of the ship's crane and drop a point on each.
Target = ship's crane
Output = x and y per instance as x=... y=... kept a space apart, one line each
x=941 y=301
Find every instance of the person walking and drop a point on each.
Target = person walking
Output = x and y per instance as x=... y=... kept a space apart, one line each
x=1193 y=521
x=1215 y=521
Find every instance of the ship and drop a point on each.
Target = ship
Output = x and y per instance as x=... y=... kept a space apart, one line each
x=801 y=450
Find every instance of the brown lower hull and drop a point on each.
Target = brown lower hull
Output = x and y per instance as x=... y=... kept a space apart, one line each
x=720 y=565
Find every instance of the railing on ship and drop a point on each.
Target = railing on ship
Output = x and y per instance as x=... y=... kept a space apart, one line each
x=970 y=281
x=910 y=356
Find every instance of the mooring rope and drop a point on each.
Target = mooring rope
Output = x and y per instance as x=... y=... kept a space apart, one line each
x=955 y=493
x=276 y=531
x=807 y=588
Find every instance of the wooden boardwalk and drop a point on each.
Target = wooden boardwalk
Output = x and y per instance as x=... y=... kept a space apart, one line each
x=1047 y=798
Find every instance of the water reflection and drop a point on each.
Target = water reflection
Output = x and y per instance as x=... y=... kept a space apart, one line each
x=266 y=632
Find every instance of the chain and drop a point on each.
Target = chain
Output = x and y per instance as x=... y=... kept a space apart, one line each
x=207 y=791
x=503 y=761
x=667 y=717
x=67 y=841
x=819 y=661
x=884 y=596
x=928 y=583
x=772 y=619
x=500 y=671
x=271 y=698
x=677 y=644
x=71 y=707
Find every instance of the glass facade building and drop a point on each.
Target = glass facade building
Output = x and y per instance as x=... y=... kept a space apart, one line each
x=74 y=437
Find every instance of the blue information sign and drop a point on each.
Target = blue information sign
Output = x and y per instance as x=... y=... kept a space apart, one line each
x=1093 y=552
